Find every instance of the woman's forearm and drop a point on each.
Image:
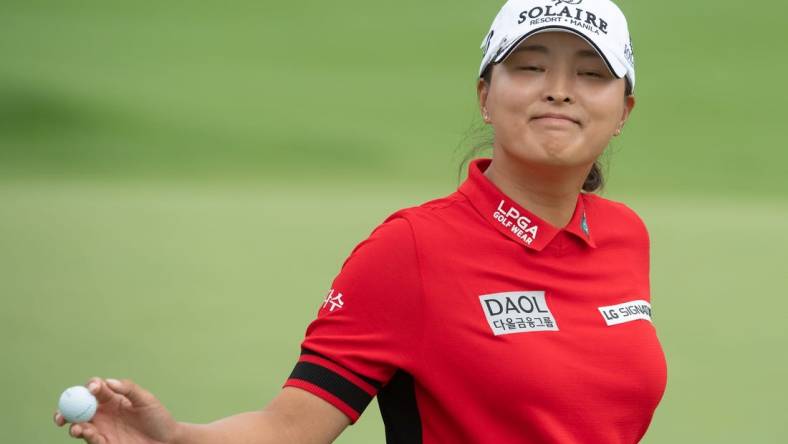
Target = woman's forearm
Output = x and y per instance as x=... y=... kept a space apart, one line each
x=294 y=416
x=258 y=427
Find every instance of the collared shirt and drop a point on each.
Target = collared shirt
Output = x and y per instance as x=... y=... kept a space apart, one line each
x=475 y=321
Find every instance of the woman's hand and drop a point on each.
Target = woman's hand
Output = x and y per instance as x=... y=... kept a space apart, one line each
x=126 y=414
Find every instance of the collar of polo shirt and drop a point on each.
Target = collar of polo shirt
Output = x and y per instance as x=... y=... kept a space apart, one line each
x=514 y=221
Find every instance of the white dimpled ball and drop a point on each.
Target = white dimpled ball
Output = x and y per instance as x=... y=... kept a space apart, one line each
x=77 y=404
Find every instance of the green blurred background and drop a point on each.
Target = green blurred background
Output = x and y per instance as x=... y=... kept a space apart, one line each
x=181 y=181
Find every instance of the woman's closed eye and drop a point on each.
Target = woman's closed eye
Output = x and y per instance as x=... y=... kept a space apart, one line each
x=585 y=73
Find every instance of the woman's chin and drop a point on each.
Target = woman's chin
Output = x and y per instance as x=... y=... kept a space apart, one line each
x=558 y=152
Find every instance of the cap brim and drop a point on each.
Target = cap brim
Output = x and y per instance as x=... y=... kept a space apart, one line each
x=615 y=67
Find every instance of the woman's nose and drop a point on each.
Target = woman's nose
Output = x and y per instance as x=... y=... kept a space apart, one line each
x=558 y=88
x=559 y=98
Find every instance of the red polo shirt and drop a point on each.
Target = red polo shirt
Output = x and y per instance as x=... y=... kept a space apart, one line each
x=474 y=321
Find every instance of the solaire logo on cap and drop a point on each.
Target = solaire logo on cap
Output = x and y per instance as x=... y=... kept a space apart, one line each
x=579 y=18
x=568 y=2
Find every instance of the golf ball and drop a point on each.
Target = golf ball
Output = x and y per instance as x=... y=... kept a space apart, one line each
x=77 y=404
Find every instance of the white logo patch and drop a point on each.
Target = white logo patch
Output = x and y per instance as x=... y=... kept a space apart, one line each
x=519 y=224
x=336 y=302
x=517 y=312
x=625 y=312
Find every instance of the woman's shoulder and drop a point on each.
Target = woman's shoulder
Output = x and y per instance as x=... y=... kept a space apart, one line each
x=434 y=208
x=398 y=227
x=392 y=243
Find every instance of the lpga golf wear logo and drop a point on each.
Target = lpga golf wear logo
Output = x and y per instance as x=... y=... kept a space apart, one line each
x=519 y=224
x=517 y=312
x=626 y=312
x=335 y=302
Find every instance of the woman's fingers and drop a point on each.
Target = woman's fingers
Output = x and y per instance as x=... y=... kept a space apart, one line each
x=114 y=397
x=88 y=432
x=75 y=430
x=138 y=396
x=91 y=434
x=58 y=418
x=99 y=389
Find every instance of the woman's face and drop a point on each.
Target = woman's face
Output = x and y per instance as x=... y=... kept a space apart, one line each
x=559 y=73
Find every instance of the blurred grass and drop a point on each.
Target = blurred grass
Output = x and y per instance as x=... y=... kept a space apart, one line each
x=179 y=181
x=253 y=89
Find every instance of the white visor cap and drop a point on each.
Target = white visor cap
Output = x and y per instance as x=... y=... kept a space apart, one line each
x=599 y=22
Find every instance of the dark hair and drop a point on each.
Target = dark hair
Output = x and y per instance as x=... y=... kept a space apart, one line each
x=595 y=180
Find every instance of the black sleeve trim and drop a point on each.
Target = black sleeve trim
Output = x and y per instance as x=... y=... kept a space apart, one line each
x=400 y=411
x=333 y=383
x=373 y=382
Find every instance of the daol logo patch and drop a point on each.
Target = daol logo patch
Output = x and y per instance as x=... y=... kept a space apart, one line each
x=517 y=312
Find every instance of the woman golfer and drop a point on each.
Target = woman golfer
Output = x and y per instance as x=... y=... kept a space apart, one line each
x=516 y=309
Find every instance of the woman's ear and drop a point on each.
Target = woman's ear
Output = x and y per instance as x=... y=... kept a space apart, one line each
x=629 y=104
x=482 y=89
